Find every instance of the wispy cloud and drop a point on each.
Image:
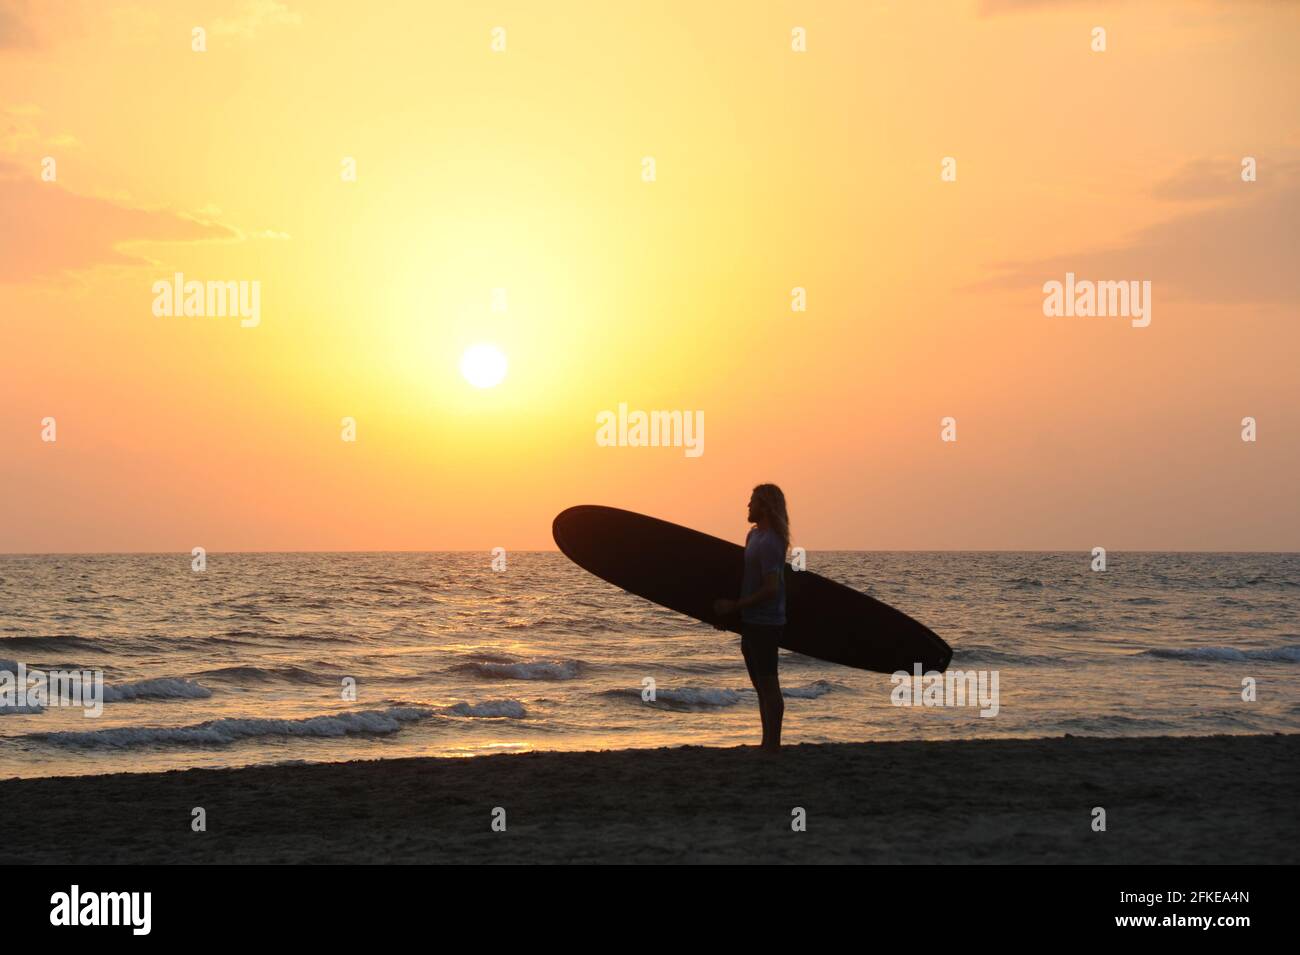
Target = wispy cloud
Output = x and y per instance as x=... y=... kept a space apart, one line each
x=20 y=131
x=1205 y=179
x=1240 y=249
x=50 y=230
x=16 y=25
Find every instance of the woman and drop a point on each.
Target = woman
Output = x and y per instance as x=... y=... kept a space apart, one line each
x=762 y=604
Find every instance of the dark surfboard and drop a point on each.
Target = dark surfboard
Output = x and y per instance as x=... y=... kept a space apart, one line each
x=686 y=571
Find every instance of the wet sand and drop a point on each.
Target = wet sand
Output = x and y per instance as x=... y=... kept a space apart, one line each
x=1215 y=799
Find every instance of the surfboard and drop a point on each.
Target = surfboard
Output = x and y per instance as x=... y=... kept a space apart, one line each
x=686 y=570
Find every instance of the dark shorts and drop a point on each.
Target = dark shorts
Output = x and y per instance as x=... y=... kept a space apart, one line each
x=759 y=643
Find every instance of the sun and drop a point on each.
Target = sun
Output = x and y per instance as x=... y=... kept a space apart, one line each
x=483 y=365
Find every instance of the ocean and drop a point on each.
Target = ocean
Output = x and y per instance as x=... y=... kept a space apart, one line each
x=249 y=661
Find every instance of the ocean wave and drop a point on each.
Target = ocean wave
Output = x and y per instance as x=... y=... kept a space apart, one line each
x=507 y=669
x=487 y=656
x=233 y=729
x=47 y=643
x=1025 y=583
x=708 y=697
x=1225 y=718
x=1229 y=654
x=13 y=709
x=1215 y=582
x=1259 y=581
x=392 y=581
x=690 y=697
x=965 y=657
x=1111 y=723
x=1068 y=626
x=162 y=688
x=488 y=709
x=16 y=710
x=255 y=674
x=539 y=623
x=682 y=698
x=809 y=692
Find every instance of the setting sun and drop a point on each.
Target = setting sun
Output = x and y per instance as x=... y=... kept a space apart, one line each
x=484 y=366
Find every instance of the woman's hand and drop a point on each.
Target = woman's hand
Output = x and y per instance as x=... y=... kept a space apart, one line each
x=725 y=608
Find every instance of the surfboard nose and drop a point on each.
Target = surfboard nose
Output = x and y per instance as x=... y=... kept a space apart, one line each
x=569 y=523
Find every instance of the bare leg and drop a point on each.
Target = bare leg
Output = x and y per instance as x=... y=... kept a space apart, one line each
x=771 y=707
x=760 y=687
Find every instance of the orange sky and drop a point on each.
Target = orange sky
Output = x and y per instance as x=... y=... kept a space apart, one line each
x=522 y=169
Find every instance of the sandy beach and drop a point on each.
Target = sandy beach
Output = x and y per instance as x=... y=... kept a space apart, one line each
x=1168 y=800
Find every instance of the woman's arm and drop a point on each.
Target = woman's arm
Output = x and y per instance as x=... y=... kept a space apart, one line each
x=769 y=591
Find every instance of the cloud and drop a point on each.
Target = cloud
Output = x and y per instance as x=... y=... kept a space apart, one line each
x=1219 y=179
x=16 y=31
x=16 y=132
x=1239 y=250
x=258 y=14
x=49 y=230
x=20 y=132
x=18 y=127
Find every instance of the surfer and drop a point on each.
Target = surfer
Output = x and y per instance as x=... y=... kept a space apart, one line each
x=762 y=604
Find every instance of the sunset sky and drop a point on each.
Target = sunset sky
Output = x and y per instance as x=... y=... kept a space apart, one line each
x=522 y=169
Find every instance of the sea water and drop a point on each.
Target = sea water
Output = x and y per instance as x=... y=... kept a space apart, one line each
x=268 y=658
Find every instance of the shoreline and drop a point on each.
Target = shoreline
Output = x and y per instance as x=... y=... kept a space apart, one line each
x=1168 y=799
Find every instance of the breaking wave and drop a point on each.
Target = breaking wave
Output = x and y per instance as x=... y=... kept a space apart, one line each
x=163 y=688
x=703 y=698
x=501 y=709
x=504 y=668
x=231 y=730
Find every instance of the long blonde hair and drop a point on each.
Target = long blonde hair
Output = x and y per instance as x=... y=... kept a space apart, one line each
x=772 y=502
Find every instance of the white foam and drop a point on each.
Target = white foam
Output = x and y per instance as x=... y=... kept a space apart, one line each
x=809 y=692
x=692 y=697
x=532 y=670
x=510 y=709
x=377 y=722
x=699 y=696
